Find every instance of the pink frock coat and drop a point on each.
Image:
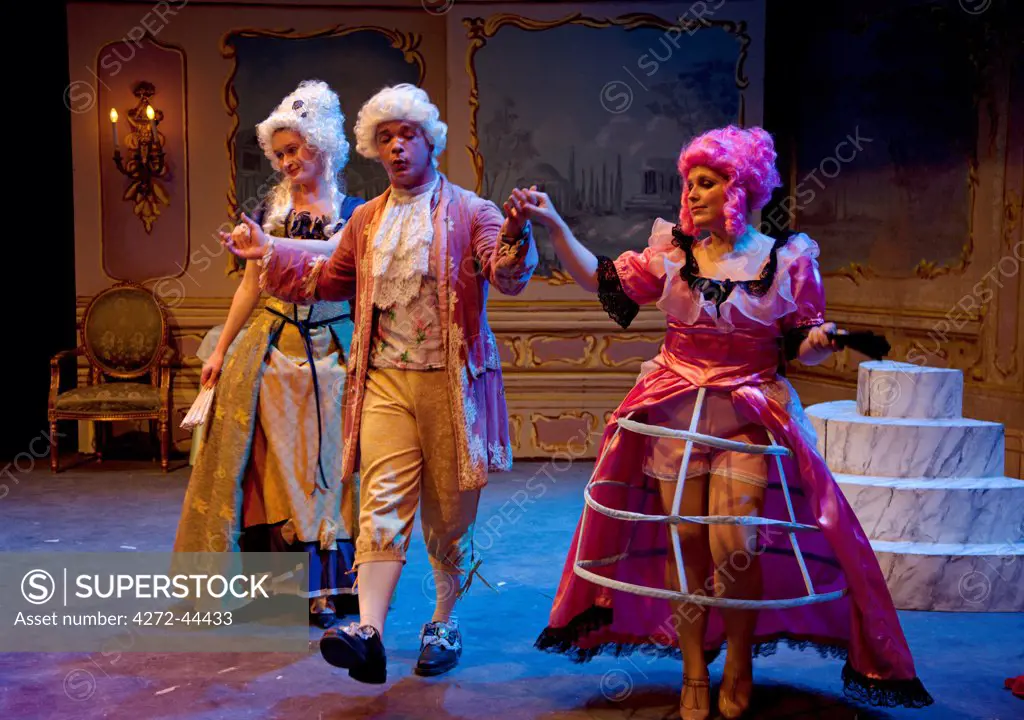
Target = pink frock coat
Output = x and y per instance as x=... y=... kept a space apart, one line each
x=467 y=243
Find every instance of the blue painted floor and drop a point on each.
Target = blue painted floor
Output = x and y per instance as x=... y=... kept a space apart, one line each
x=962 y=658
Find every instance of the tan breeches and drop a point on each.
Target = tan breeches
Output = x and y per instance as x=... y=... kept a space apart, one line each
x=408 y=456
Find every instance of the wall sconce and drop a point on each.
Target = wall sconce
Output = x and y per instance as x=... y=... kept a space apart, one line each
x=145 y=160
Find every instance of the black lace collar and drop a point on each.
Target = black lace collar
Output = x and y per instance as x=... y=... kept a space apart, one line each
x=718 y=290
x=303 y=225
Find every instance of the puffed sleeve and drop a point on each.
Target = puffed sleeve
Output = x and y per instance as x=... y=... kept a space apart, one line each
x=634 y=278
x=807 y=291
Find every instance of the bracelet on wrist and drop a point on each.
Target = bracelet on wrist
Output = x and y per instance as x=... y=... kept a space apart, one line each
x=518 y=239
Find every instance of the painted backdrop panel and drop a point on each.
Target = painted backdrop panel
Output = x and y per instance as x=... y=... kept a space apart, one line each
x=602 y=133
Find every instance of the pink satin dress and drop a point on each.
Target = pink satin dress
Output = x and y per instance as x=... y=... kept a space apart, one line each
x=729 y=341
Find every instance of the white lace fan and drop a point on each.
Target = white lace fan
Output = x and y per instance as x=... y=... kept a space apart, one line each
x=199 y=410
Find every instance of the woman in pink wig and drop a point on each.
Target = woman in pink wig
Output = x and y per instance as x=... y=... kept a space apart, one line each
x=736 y=303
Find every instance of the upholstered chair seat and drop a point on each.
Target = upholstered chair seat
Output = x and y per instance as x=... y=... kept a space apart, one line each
x=124 y=337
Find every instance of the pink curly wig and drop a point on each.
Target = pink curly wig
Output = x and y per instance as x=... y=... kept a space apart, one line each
x=746 y=158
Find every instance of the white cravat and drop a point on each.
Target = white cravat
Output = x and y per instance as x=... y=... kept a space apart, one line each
x=401 y=248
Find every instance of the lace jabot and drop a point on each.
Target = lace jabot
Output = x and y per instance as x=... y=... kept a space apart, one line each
x=401 y=247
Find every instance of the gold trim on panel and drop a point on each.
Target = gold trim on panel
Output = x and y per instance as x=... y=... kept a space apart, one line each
x=407 y=42
x=515 y=424
x=1013 y=208
x=560 y=277
x=609 y=340
x=909 y=315
x=588 y=348
x=552 y=448
x=516 y=344
x=928 y=270
x=104 y=119
x=959 y=351
x=479 y=30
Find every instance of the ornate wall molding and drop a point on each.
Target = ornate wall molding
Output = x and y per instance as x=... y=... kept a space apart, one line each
x=117 y=244
x=559 y=405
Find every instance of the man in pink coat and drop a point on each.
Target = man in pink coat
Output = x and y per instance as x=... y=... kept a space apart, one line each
x=425 y=413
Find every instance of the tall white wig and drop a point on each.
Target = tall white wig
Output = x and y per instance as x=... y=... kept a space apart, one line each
x=314 y=111
x=399 y=102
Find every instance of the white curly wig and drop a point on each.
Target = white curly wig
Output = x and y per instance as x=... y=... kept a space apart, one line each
x=399 y=102
x=314 y=111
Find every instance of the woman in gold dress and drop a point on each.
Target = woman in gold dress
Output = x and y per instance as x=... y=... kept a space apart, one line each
x=268 y=477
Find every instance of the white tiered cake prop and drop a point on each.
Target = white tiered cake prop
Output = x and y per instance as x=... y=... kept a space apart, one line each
x=928 y=488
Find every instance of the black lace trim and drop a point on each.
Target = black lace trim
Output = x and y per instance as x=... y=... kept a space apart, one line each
x=791 y=341
x=619 y=306
x=562 y=640
x=885 y=693
x=718 y=290
x=303 y=225
x=882 y=693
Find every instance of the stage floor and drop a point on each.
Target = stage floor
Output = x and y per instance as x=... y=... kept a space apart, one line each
x=962 y=658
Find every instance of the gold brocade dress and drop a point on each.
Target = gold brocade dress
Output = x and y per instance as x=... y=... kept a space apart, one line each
x=268 y=478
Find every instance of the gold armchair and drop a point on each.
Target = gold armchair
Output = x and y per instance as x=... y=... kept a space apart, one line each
x=125 y=336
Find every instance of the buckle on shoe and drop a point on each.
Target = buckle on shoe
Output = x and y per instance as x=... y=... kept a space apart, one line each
x=363 y=632
x=444 y=635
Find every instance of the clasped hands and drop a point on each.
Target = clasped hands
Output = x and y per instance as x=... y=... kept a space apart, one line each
x=523 y=205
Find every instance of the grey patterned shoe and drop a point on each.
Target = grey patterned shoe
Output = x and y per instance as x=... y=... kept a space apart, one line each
x=440 y=648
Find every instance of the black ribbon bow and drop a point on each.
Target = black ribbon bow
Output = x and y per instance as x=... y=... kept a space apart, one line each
x=304 y=327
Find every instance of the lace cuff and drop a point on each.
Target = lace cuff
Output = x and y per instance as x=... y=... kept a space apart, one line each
x=515 y=247
x=619 y=306
x=810 y=322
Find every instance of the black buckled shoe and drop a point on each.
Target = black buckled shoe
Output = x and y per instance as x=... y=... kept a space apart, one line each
x=359 y=649
x=440 y=648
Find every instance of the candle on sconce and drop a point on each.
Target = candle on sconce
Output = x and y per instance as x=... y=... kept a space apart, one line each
x=152 y=120
x=113 y=126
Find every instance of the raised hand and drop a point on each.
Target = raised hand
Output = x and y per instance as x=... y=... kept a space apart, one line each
x=246 y=240
x=515 y=219
x=540 y=208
